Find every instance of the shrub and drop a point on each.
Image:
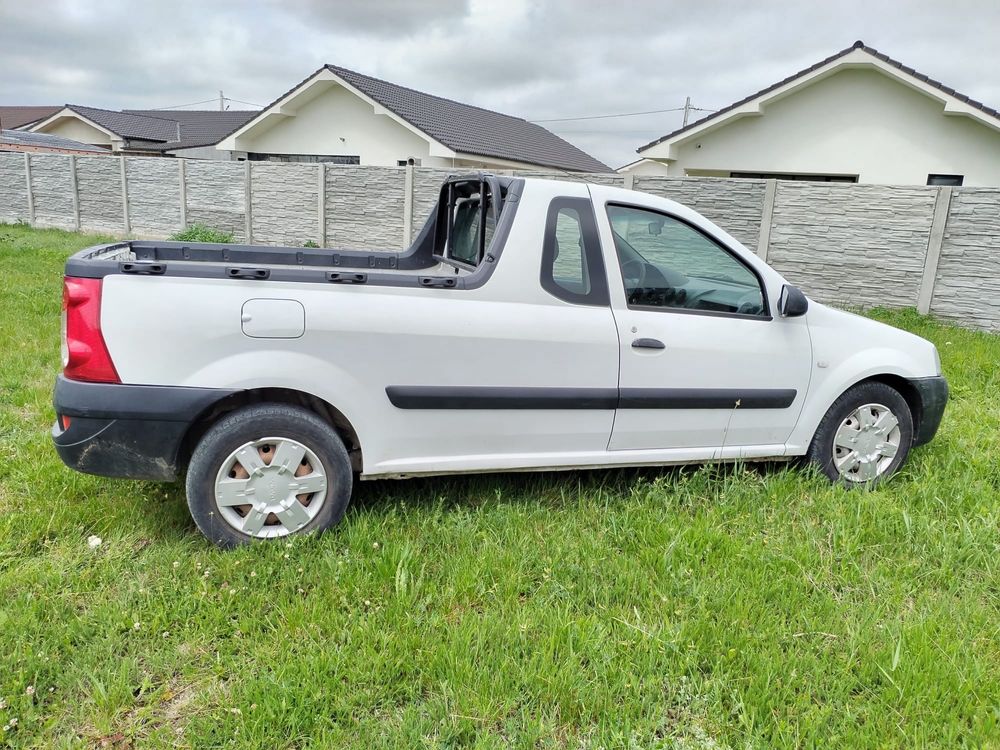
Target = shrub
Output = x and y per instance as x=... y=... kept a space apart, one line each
x=309 y=243
x=201 y=233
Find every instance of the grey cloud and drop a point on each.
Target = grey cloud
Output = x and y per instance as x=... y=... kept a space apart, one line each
x=533 y=59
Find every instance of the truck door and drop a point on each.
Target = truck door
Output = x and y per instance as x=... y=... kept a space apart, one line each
x=516 y=372
x=703 y=363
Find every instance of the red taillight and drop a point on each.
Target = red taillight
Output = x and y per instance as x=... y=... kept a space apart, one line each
x=85 y=355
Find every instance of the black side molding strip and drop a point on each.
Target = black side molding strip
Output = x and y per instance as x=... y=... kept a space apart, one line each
x=499 y=397
x=706 y=398
x=503 y=397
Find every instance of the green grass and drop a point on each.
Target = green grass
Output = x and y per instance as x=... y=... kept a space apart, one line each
x=202 y=233
x=699 y=608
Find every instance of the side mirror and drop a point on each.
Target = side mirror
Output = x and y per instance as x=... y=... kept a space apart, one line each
x=792 y=303
x=656 y=227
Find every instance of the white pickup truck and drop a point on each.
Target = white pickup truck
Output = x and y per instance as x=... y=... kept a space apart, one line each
x=532 y=325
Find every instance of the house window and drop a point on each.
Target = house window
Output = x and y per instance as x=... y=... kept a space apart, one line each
x=306 y=158
x=945 y=179
x=799 y=177
x=411 y=162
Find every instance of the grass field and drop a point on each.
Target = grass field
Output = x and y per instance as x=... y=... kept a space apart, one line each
x=701 y=608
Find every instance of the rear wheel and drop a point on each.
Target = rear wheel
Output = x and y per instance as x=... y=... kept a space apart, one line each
x=864 y=437
x=267 y=471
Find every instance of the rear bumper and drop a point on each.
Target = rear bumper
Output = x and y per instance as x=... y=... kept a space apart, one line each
x=933 y=393
x=133 y=431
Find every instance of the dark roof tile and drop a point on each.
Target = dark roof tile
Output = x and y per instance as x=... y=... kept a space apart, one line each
x=18 y=116
x=465 y=128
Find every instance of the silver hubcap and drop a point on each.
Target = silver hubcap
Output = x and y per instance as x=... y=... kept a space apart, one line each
x=270 y=487
x=865 y=443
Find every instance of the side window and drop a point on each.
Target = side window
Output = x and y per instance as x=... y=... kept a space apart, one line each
x=572 y=266
x=666 y=263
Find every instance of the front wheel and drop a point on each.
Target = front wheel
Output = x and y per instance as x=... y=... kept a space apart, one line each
x=864 y=437
x=267 y=471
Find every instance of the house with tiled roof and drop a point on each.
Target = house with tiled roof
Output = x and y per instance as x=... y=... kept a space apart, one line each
x=18 y=117
x=153 y=132
x=341 y=116
x=857 y=116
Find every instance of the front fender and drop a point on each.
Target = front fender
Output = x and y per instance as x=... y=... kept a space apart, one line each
x=830 y=381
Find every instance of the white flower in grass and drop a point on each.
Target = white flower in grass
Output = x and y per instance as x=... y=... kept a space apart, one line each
x=30 y=690
x=3 y=704
x=136 y=625
x=93 y=541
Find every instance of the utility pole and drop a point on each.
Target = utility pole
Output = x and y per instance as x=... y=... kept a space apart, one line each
x=687 y=110
x=222 y=104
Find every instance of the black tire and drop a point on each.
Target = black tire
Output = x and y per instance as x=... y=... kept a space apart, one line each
x=255 y=423
x=821 y=450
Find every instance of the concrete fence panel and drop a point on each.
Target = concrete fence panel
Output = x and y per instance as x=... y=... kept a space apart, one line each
x=154 y=195
x=13 y=188
x=98 y=180
x=216 y=196
x=52 y=190
x=857 y=245
x=284 y=201
x=967 y=286
x=364 y=207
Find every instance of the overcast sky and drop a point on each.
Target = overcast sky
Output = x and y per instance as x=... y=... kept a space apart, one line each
x=537 y=60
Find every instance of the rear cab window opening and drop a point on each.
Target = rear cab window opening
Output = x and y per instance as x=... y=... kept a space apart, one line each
x=470 y=212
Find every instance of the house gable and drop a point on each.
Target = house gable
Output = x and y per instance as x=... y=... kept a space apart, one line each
x=68 y=124
x=325 y=116
x=856 y=114
x=857 y=122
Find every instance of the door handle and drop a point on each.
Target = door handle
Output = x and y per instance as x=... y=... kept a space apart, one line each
x=648 y=344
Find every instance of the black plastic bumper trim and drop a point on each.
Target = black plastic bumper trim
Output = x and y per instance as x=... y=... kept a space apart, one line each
x=933 y=393
x=76 y=398
x=501 y=397
x=132 y=431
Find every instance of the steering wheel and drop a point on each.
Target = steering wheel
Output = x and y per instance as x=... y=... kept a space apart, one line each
x=639 y=279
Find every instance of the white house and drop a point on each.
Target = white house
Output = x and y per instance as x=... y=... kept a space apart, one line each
x=337 y=115
x=858 y=116
x=154 y=132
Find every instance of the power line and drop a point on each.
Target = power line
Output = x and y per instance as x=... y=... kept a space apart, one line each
x=207 y=101
x=240 y=101
x=623 y=114
x=189 y=104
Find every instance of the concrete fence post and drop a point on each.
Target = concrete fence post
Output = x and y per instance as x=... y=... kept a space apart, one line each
x=766 y=217
x=31 y=196
x=182 y=177
x=935 y=240
x=125 y=219
x=629 y=181
x=321 y=205
x=248 y=199
x=407 y=206
x=74 y=187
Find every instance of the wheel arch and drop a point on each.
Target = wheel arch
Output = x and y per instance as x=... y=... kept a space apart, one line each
x=240 y=399
x=905 y=389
